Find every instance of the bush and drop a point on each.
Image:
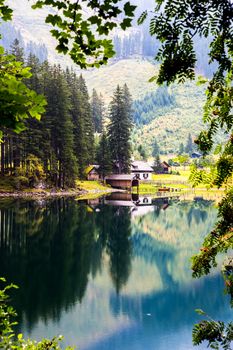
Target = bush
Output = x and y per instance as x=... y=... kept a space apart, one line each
x=20 y=182
x=8 y=339
x=174 y=172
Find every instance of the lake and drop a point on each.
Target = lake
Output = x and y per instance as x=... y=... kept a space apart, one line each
x=110 y=273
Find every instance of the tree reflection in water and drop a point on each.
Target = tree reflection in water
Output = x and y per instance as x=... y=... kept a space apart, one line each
x=50 y=248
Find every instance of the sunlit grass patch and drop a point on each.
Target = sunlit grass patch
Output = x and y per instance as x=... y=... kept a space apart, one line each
x=90 y=185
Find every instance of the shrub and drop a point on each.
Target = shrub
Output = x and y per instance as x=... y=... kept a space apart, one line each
x=8 y=339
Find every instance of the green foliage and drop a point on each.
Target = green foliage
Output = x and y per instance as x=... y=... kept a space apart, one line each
x=189 y=145
x=182 y=159
x=205 y=176
x=155 y=149
x=219 y=240
x=145 y=109
x=142 y=152
x=119 y=129
x=5 y=11
x=20 y=182
x=216 y=333
x=104 y=156
x=97 y=109
x=157 y=164
x=73 y=29
x=17 y=101
x=59 y=147
x=8 y=339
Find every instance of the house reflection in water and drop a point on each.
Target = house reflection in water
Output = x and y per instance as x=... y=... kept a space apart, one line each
x=139 y=204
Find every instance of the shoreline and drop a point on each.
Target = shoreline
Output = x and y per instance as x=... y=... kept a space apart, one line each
x=53 y=194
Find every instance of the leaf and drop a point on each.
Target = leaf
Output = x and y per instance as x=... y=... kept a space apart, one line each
x=201 y=80
x=129 y=9
x=126 y=23
x=200 y=312
x=142 y=17
x=20 y=336
x=152 y=79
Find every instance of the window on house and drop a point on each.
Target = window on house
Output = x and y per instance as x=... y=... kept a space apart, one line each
x=145 y=176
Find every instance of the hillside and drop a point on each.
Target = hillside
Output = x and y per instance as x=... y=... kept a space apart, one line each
x=169 y=126
x=134 y=72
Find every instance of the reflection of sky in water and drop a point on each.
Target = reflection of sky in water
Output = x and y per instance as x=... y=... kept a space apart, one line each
x=155 y=307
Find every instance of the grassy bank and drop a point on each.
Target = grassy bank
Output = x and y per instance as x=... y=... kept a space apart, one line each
x=178 y=185
x=91 y=186
x=83 y=189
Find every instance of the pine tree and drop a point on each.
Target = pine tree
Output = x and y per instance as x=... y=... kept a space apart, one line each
x=157 y=164
x=155 y=149
x=87 y=119
x=15 y=140
x=33 y=136
x=17 y=50
x=181 y=148
x=97 y=109
x=189 y=145
x=119 y=129
x=142 y=152
x=77 y=112
x=104 y=156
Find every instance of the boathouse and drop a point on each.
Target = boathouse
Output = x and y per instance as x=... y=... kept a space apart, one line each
x=122 y=181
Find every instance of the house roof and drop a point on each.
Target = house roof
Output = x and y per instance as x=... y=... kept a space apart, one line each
x=119 y=177
x=165 y=164
x=90 y=168
x=139 y=165
x=197 y=154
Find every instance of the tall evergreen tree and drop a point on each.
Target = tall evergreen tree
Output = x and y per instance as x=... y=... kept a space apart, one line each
x=157 y=164
x=97 y=109
x=181 y=148
x=77 y=112
x=33 y=136
x=189 y=145
x=15 y=141
x=155 y=149
x=87 y=119
x=104 y=156
x=142 y=152
x=119 y=129
x=17 y=50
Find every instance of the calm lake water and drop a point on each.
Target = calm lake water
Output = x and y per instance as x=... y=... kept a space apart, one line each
x=109 y=273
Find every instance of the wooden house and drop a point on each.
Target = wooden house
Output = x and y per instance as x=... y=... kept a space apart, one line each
x=141 y=170
x=92 y=172
x=165 y=167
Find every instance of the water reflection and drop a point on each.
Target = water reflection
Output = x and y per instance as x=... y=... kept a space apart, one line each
x=106 y=275
x=50 y=250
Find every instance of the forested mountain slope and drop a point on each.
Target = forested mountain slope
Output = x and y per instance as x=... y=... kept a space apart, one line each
x=168 y=117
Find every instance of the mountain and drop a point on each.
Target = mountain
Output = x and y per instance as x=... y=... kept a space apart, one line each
x=167 y=122
x=170 y=124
